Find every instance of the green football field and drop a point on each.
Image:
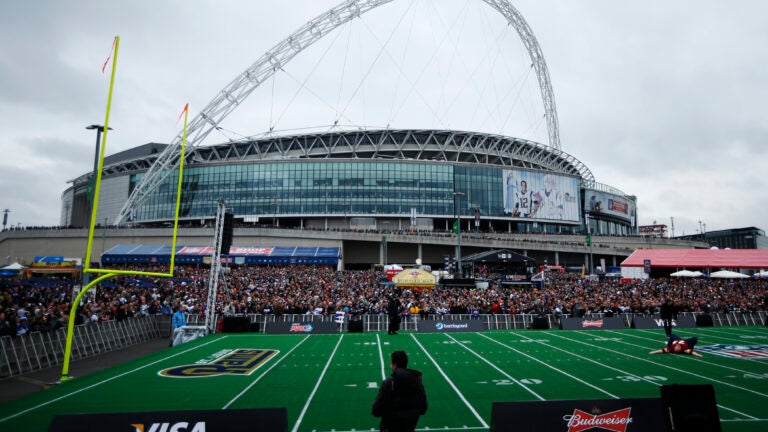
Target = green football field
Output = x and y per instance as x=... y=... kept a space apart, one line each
x=328 y=382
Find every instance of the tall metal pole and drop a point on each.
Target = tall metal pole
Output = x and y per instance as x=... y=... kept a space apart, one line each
x=213 y=277
x=99 y=130
x=589 y=233
x=91 y=214
x=457 y=209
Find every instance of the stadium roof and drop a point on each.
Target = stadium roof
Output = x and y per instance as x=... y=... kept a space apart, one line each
x=699 y=258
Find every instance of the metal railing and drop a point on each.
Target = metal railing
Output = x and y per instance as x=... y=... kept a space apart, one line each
x=39 y=350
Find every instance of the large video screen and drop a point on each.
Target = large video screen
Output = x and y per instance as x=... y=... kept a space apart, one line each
x=537 y=195
x=604 y=203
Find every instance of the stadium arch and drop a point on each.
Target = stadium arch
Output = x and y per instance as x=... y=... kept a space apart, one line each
x=242 y=86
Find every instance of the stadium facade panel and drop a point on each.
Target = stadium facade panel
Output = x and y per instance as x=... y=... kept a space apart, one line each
x=381 y=179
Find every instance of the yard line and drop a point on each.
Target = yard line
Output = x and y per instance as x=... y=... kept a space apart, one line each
x=534 y=359
x=317 y=385
x=264 y=373
x=673 y=368
x=739 y=337
x=594 y=361
x=106 y=381
x=381 y=358
x=700 y=360
x=453 y=386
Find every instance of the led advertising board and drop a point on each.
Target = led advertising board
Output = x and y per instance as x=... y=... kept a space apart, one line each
x=609 y=204
x=538 y=195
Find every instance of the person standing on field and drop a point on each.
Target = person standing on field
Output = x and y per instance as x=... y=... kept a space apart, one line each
x=401 y=399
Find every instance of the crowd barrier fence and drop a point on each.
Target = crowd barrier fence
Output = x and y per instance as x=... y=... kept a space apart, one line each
x=39 y=350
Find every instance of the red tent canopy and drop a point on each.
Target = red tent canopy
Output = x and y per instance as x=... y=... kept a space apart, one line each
x=699 y=258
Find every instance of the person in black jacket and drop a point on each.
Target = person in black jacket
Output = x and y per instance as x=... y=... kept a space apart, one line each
x=393 y=311
x=402 y=398
x=668 y=313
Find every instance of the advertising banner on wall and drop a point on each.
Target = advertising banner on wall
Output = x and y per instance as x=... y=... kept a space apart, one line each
x=604 y=203
x=538 y=195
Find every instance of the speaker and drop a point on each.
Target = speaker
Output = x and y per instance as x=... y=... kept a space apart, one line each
x=355 y=326
x=540 y=323
x=226 y=234
x=690 y=407
x=234 y=324
x=704 y=320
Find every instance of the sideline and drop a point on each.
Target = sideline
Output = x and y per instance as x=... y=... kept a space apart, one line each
x=107 y=380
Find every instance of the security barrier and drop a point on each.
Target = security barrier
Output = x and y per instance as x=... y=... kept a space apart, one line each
x=39 y=350
x=34 y=351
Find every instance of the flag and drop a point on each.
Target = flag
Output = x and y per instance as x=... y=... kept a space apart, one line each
x=112 y=50
x=186 y=107
x=456 y=227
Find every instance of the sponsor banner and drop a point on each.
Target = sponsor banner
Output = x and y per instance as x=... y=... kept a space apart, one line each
x=231 y=420
x=751 y=352
x=288 y=327
x=605 y=323
x=618 y=415
x=443 y=326
x=596 y=202
x=653 y=323
x=208 y=250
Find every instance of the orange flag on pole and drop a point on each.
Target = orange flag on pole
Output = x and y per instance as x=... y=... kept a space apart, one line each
x=186 y=107
x=104 y=67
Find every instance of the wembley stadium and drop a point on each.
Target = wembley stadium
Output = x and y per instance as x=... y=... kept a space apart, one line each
x=355 y=185
x=370 y=180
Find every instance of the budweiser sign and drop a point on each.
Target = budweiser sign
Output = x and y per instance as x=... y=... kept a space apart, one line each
x=613 y=421
x=592 y=323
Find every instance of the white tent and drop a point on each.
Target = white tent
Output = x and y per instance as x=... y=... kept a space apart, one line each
x=727 y=274
x=685 y=273
x=13 y=267
x=761 y=274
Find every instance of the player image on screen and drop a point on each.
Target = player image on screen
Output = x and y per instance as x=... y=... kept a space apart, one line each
x=509 y=197
x=595 y=205
x=523 y=201
x=548 y=202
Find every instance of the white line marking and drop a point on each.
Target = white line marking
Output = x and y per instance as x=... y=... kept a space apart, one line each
x=673 y=368
x=381 y=358
x=699 y=359
x=264 y=373
x=106 y=381
x=453 y=386
x=317 y=385
x=545 y=364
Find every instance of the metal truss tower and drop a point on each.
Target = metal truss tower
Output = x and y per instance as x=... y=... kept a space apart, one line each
x=241 y=87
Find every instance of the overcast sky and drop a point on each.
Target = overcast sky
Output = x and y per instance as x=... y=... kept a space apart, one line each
x=662 y=100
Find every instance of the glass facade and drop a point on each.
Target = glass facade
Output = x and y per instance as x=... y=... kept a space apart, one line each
x=334 y=188
x=321 y=188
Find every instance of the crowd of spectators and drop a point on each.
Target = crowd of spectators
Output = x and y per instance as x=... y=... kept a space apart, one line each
x=43 y=304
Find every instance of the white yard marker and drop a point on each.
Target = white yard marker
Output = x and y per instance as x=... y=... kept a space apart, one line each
x=453 y=386
x=317 y=385
x=541 y=362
